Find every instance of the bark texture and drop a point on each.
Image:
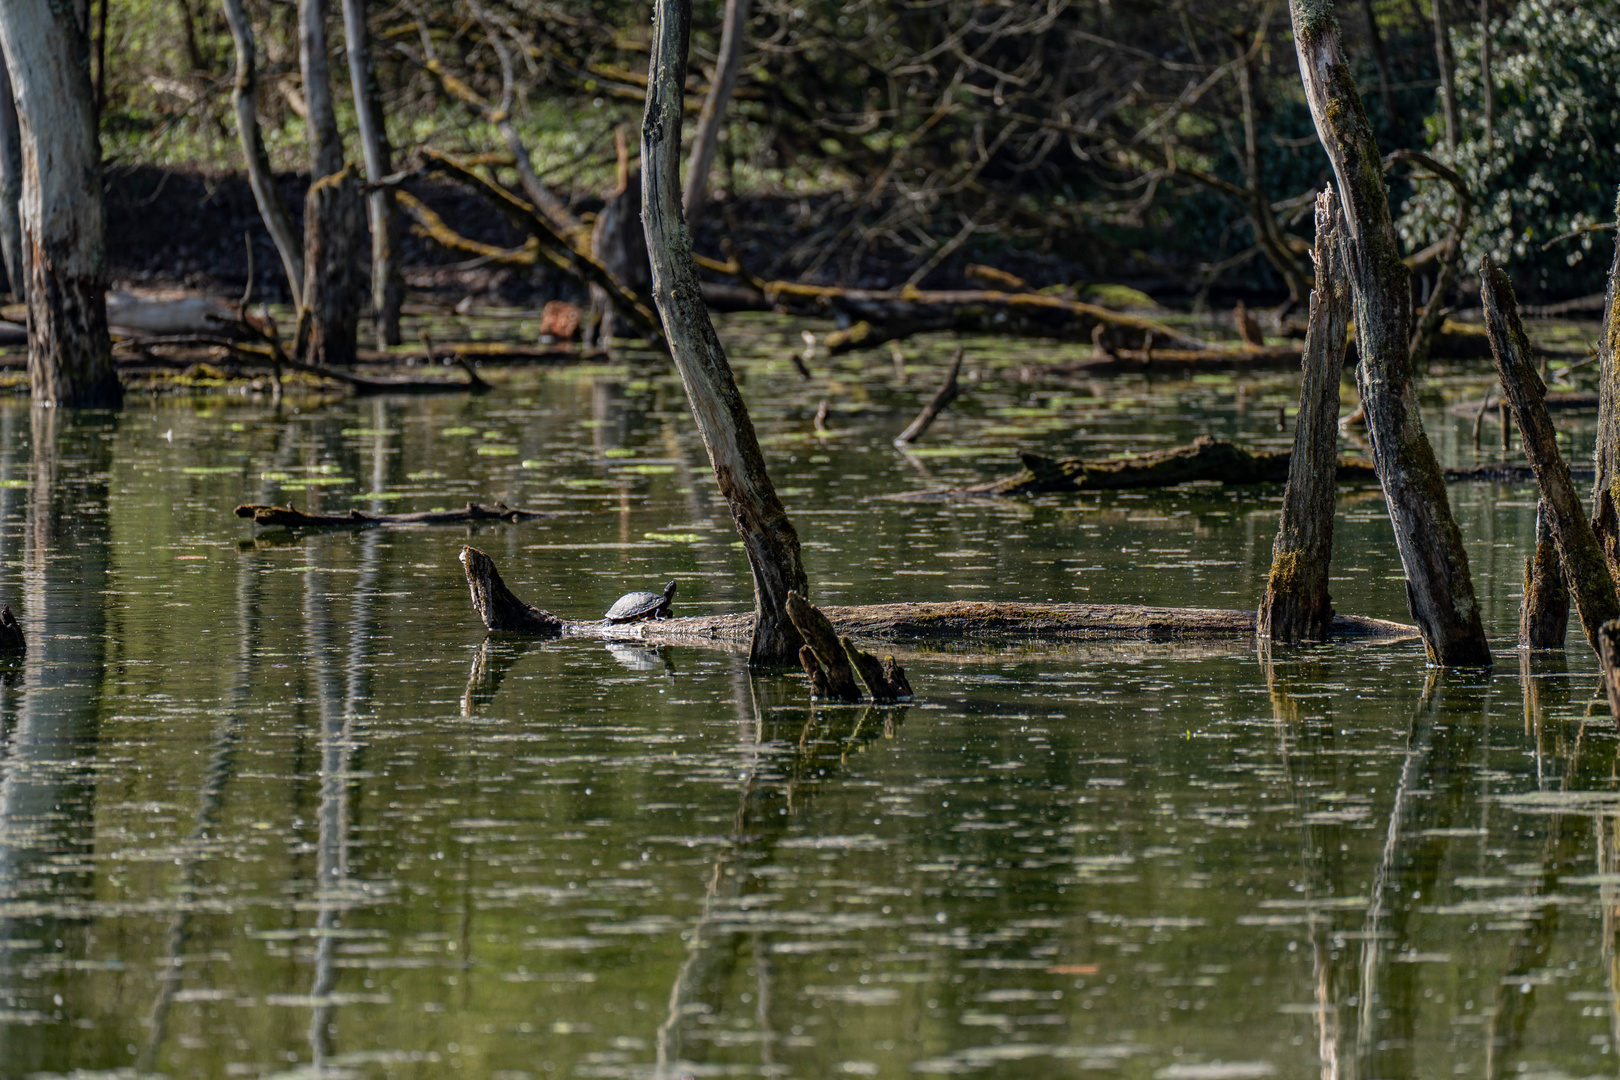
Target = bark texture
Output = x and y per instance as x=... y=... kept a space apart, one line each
x=1296 y=605
x=619 y=244
x=825 y=662
x=387 y=283
x=63 y=220
x=1439 y=588
x=497 y=606
x=1606 y=486
x=712 y=118
x=11 y=183
x=768 y=536
x=1609 y=654
x=245 y=99
x=333 y=227
x=1544 y=611
x=1585 y=569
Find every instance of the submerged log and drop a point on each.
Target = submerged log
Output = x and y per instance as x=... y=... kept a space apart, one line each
x=1296 y=605
x=1544 y=611
x=502 y=611
x=291 y=517
x=1439 y=587
x=1585 y=569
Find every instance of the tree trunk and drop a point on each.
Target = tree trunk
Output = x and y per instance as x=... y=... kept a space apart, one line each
x=245 y=98
x=333 y=228
x=1585 y=570
x=11 y=248
x=1439 y=589
x=722 y=418
x=1448 y=89
x=1296 y=606
x=1606 y=487
x=333 y=218
x=1544 y=611
x=1487 y=82
x=619 y=243
x=387 y=284
x=63 y=220
x=712 y=118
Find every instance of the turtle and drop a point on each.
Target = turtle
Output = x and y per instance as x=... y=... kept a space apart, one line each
x=635 y=606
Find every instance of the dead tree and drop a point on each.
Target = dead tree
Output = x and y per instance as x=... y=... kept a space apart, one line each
x=63 y=219
x=1544 y=611
x=387 y=285
x=1439 y=588
x=245 y=99
x=1296 y=605
x=713 y=116
x=11 y=182
x=333 y=218
x=619 y=243
x=1606 y=488
x=722 y=418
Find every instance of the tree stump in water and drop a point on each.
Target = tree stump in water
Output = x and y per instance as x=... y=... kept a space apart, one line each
x=619 y=243
x=886 y=680
x=1544 y=611
x=1609 y=654
x=334 y=228
x=1296 y=606
x=826 y=664
x=11 y=634
x=500 y=609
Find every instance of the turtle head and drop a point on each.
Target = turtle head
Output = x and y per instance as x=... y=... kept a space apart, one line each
x=669 y=592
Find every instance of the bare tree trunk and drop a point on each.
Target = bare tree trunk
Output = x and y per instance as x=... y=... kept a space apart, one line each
x=722 y=418
x=1448 y=87
x=619 y=243
x=1606 y=488
x=1585 y=570
x=332 y=210
x=1296 y=606
x=387 y=285
x=63 y=220
x=245 y=97
x=1439 y=588
x=11 y=184
x=1487 y=84
x=712 y=118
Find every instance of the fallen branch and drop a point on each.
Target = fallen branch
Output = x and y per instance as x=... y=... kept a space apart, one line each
x=947 y=394
x=501 y=611
x=292 y=518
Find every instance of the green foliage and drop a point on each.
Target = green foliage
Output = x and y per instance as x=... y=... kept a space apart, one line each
x=1554 y=158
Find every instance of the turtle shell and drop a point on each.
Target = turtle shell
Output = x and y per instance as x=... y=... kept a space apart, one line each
x=641 y=605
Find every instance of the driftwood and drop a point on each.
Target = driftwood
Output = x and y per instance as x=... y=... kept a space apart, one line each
x=291 y=517
x=1439 y=587
x=503 y=612
x=769 y=540
x=947 y=393
x=822 y=654
x=1544 y=611
x=1585 y=569
x=1296 y=605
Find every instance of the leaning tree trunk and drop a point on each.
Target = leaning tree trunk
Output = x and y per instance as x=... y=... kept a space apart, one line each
x=11 y=248
x=63 y=220
x=722 y=418
x=1439 y=589
x=1296 y=606
x=1606 y=489
x=245 y=98
x=332 y=211
x=712 y=118
x=387 y=284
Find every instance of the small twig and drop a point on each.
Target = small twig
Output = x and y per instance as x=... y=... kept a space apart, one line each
x=1479 y=418
x=820 y=422
x=247 y=290
x=947 y=394
x=1582 y=231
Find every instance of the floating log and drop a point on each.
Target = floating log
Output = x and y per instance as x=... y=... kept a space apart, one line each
x=292 y=518
x=501 y=611
x=1296 y=605
x=947 y=393
x=1586 y=571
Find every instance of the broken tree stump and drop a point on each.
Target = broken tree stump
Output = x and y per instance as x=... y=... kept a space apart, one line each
x=500 y=609
x=1609 y=655
x=885 y=680
x=1544 y=611
x=1296 y=605
x=1585 y=569
x=822 y=640
x=947 y=393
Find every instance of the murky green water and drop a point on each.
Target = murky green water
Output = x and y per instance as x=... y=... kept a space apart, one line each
x=274 y=806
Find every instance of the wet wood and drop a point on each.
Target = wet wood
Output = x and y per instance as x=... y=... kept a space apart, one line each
x=1585 y=569
x=931 y=621
x=769 y=540
x=497 y=606
x=1296 y=605
x=946 y=394
x=293 y=518
x=885 y=679
x=1609 y=656
x=1439 y=587
x=831 y=675
x=1544 y=611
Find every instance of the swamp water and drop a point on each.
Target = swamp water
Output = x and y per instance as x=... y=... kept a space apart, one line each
x=273 y=805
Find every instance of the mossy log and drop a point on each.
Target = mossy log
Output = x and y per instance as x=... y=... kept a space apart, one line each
x=1585 y=569
x=502 y=612
x=1296 y=605
x=291 y=517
